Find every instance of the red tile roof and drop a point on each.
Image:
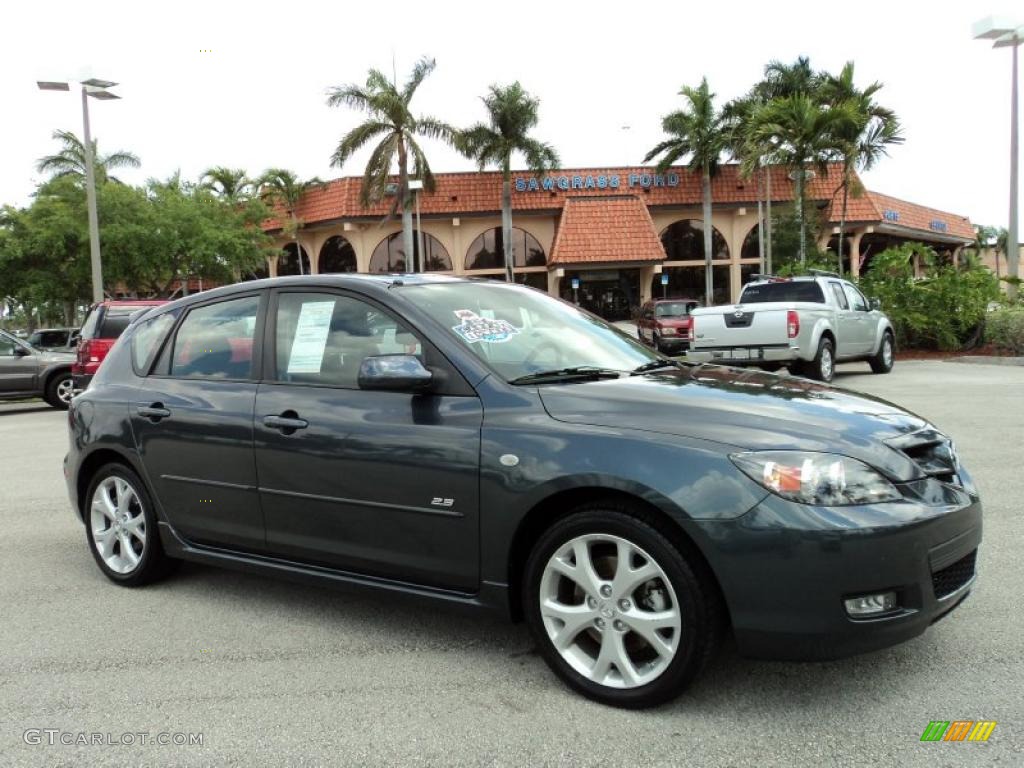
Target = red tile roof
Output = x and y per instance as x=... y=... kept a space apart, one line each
x=480 y=192
x=605 y=229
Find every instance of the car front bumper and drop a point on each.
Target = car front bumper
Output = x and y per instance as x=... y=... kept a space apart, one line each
x=785 y=570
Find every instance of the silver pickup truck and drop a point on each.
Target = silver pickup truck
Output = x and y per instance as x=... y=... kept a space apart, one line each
x=806 y=323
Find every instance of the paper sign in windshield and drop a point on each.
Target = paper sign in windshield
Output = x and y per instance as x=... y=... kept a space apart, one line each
x=310 y=340
x=474 y=328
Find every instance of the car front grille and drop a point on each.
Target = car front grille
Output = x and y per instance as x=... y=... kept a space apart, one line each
x=948 y=580
x=933 y=452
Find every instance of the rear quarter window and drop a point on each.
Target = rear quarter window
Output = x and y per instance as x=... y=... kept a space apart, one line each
x=148 y=338
x=115 y=321
x=93 y=320
x=795 y=290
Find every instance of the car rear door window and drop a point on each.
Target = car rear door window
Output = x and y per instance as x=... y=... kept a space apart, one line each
x=215 y=341
x=837 y=291
x=323 y=338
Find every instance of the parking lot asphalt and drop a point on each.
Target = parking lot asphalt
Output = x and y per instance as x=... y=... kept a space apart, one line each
x=273 y=673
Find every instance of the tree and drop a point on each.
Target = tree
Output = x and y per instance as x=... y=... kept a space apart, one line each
x=392 y=123
x=282 y=187
x=864 y=139
x=696 y=131
x=70 y=160
x=512 y=114
x=231 y=184
x=799 y=130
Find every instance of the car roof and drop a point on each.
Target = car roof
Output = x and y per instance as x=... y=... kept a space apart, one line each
x=132 y=302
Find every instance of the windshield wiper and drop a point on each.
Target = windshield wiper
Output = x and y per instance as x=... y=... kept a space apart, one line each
x=654 y=365
x=584 y=372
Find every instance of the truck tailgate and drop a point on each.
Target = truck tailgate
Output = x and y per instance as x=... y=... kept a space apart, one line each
x=738 y=326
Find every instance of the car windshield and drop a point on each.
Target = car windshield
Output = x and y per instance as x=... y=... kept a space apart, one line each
x=519 y=331
x=783 y=290
x=673 y=308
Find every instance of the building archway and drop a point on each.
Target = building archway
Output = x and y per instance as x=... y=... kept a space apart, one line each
x=751 y=248
x=683 y=240
x=287 y=264
x=389 y=255
x=337 y=255
x=487 y=250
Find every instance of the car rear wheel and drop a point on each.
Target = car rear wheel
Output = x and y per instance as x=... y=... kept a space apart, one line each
x=121 y=528
x=618 y=612
x=59 y=391
x=885 y=358
x=822 y=367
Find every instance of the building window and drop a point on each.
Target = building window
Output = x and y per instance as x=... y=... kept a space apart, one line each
x=688 y=283
x=751 y=245
x=337 y=255
x=684 y=241
x=389 y=255
x=487 y=251
x=287 y=264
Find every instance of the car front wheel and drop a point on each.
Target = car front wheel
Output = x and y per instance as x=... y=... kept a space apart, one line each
x=121 y=528
x=618 y=612
x=885 y=358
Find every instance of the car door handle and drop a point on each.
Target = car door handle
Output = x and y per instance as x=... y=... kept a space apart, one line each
x=287 y=422
x=154 y=412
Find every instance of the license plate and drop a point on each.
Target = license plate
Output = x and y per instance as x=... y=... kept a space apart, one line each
x=739 y=354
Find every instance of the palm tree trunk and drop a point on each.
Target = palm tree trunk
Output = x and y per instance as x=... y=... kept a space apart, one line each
x=842 y=219
x=760 y=219
x=768 y=206
x=408 y=244
x=800 y=212
x=506 y=224
x=709 y=284
x=298 y=248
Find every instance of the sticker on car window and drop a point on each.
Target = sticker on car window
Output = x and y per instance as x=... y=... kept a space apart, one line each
x=474 y=328
x=310 y=340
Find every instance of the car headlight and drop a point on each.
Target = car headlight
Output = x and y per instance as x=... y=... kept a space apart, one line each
x=668 y=331
x=824 y=479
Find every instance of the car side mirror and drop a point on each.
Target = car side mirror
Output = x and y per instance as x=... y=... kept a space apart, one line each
x=394 y=373
x=875 y=303
x=21 y=352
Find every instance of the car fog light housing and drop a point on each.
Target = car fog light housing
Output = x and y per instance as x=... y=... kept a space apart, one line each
x=871 y=605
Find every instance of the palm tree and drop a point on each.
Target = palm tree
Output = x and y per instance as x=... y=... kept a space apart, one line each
x=391 y=121
x=699 y=132
x=800 y=131
x=736 y=120
x=511 y=113
x=70 y=161
x=230 y=184
x=863 y=141
x=282 y=187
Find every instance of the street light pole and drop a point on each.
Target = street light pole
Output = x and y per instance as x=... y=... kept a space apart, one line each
x=1008 y=35
x=96 y=89
x=90 y=198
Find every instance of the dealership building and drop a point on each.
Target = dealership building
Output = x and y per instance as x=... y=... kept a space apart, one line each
x=610 y=237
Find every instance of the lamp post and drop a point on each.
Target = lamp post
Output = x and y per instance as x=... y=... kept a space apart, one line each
x=1007 y=34
x=97 y=89
x=417 y=185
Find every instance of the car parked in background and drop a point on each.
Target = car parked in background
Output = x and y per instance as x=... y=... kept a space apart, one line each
x=665 y=324
x=26 y=371
x=54 y=339
x=484 y=444
x=806 y=323
x=104 y=323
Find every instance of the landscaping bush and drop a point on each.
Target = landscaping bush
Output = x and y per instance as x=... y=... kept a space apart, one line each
x=944 y=309
x=1004 y=329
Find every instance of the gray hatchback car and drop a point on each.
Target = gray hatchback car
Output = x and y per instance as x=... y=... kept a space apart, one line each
x=487 y=445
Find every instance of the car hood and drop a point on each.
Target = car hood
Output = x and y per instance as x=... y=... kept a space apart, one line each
x=747 y=409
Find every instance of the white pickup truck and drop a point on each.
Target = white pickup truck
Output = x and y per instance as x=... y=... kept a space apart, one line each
x=806 y=323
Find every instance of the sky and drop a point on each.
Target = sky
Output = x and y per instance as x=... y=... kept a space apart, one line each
x=243 y=84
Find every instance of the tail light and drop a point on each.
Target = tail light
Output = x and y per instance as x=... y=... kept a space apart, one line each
x=792 y=324
x=689 y=331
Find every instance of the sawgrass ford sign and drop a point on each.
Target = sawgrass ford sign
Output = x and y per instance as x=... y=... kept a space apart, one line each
x=601 y=181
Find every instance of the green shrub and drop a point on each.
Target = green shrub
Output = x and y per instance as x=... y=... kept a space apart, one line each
x=944 y=309
x=1004 y=329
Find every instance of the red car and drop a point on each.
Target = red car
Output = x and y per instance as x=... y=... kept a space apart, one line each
x=104 y=323
x=665 y=324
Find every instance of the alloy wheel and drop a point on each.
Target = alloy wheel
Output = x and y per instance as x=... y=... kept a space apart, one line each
x=826 y=363
x=610 y=611
x=65 y=390
x=887 y=351
x=118 y=524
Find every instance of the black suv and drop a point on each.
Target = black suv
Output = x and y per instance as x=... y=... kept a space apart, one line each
x=485 y=444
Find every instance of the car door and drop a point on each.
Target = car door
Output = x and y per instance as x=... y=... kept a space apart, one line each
x=646 y=322
x=192 y=423
x=865 y=322
x=19 y=366
x=375 y=482
x=848 y=330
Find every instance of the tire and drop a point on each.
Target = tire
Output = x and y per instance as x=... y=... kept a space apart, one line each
x=883 y=360
x=59 y=390
x=770 y=367
x=633 y=674
x=823 y=366
x=148 y=562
